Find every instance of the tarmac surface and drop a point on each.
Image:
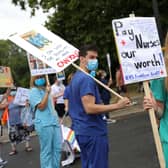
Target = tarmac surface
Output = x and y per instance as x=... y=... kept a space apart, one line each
x=130 y=142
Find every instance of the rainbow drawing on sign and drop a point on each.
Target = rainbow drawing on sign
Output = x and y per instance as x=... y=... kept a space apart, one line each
x=71 y=137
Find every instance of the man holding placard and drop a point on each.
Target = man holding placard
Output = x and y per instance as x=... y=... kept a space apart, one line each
x=87 y=110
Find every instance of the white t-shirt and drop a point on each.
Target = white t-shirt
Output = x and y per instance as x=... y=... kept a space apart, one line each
x=58 y=89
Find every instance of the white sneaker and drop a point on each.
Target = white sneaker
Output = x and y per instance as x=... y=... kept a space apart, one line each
x=110 y=120
x=3 y=163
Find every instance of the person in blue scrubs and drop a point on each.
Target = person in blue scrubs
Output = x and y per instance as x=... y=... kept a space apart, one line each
x=104 y=93
x=46 y=123
x=86 y=111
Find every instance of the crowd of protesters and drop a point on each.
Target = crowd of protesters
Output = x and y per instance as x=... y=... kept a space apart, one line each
x=87 y=105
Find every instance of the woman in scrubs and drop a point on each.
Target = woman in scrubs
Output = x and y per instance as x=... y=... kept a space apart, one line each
x=46 y=123
x=159 y=102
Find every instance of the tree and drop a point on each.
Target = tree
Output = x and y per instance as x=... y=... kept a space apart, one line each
x=16 y=59
x=80 y=22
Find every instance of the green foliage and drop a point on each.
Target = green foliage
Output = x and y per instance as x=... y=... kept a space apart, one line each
x=85 y=21
x=16 y=59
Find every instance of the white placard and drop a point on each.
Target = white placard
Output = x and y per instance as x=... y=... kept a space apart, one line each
x=139 y=49
x=46 y=46
x=21 y=96
x=37 y=67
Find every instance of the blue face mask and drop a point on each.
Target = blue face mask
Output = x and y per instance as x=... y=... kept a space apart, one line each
x=40 y=82
x=92 y=64
x=93 y=73
x=13 y=93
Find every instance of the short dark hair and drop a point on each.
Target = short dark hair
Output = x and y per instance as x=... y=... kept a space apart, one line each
x=88 y=47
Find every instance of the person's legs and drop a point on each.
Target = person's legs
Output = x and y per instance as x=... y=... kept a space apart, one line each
x=2 y=162
x=13 y=138
x=94 y=151
x=28 y=148
x=57 y=145
x=60 y=110
x=13 y=151
x=46 y=139
x=165 y=151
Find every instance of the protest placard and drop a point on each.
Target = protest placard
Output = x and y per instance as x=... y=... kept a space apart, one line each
x=37 y=67
x=22 y=95
x=141 y=59
x=50 y=49
x=139 y=49
x=46 y=46
x=60 y=75
x=5 y=77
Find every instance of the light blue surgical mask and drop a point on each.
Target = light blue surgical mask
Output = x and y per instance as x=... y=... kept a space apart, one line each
x=13 y=93
x=40 y=82
x=93 y=73
x=92 y=64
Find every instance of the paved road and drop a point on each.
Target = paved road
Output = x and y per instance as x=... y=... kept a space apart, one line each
x=131 y=146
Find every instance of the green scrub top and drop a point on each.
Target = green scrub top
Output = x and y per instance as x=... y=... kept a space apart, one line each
x=160 y=93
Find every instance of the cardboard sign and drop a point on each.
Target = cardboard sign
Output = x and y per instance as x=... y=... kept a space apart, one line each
x=5 y=77
x=37 y=67
x=60 y=75
x=139 y=49
x=46 y=46
x=21 y=96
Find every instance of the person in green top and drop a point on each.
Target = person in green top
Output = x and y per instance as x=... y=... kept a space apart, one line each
x=159 y=102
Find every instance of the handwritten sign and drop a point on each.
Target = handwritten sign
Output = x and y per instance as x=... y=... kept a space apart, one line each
x=22 y=95
x=37 y=67
x=139 y=49
x=5 y=77
x=46 y=46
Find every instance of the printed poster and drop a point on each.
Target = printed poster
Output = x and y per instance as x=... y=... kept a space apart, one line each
x=46 y=46
x=21 y=96
x=37 y=67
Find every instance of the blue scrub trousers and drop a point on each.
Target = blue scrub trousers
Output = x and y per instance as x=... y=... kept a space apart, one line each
x=94 y=151
x=50 y=145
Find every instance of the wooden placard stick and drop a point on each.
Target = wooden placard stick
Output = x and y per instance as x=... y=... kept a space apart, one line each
x=154 y=124
x=155 y=129
x=100 y=83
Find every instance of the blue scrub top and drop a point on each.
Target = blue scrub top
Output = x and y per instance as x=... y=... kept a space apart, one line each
x=160 y=93
x=83 y=123
x=104 y=93
x=66 y=92
x=48 y=115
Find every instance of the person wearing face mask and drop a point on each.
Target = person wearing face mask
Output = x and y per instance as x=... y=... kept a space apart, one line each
x=17 y=133
x=104 y=93
x=46 y=123
x=57 y=92
x=86 y=111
